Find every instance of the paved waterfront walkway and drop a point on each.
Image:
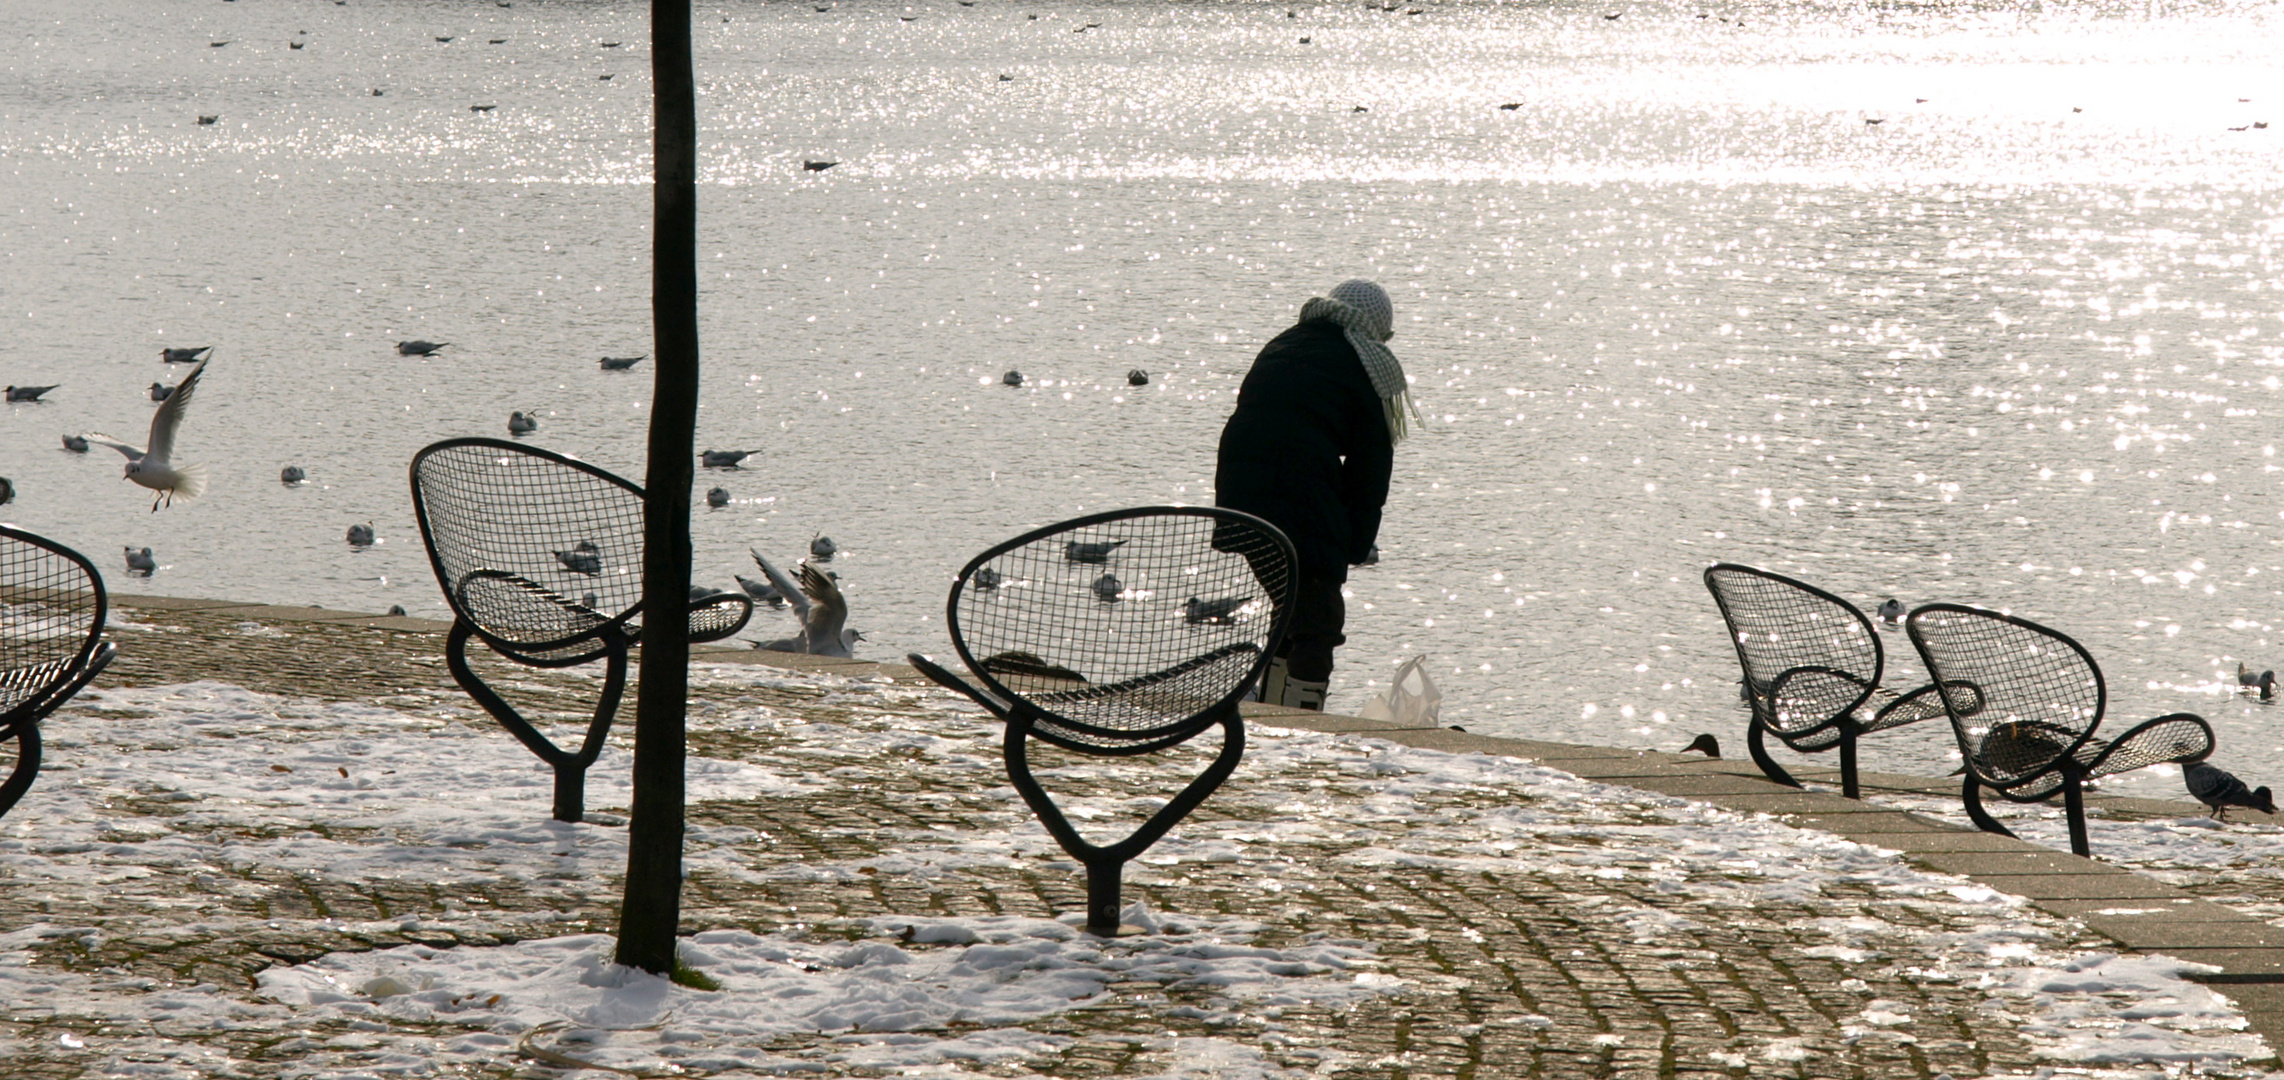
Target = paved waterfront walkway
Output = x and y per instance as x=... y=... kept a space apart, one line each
x=1514 y=974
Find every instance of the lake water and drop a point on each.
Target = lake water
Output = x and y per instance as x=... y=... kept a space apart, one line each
x=1966 y=302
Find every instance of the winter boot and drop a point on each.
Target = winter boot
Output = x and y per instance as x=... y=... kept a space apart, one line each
x=1304 y=694
x=1272 y=686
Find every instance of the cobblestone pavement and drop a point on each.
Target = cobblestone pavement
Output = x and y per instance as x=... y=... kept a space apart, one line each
x=1541 y=969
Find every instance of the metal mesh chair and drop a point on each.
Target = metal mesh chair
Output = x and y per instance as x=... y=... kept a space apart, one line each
x=1812 y=662
x=2024 y=701
x=540 y=556
x=1119 y=634
x=52 y=607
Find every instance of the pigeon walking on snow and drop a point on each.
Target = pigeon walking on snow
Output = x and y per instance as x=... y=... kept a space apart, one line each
x=2217 y=788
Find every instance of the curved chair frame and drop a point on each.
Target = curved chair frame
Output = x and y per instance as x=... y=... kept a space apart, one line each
x=1808 y=693
x=2029 y=747
x=555 y=630
x=1058 y=706
x=29 y=691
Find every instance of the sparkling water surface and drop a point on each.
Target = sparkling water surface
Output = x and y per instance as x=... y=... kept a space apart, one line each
x=1961 y=302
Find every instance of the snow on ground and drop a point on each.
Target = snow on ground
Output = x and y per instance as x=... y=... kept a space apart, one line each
x=354 y=792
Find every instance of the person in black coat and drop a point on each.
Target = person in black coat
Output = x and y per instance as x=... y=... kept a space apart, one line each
x=1310 y=449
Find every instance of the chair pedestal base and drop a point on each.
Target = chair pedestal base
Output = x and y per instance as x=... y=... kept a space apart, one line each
x=570 y=767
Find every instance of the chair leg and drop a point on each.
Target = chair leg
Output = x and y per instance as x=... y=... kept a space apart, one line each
x=1973 y=797
x=27 y=767
x=1754 y=741
x=570 y=768
x=2074 y=808
x=1848 y=786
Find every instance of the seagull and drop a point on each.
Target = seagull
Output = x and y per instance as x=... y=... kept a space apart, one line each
x=443 y=39
x=586 y=559
x=1094 y=552
x=761 y=591
x=602 y=78
x=182 y=356
x=361 y=535
x=1217 y=611
x=141 y=562
x=419 y=348
x=2216 y=788
x=161 y=391
x=1511 y=106
x=724 y=459
x=1705 y=744
x=1012 y=378
x=987 y=578
x=293 y=44
x=621 y=363
x=2265 y=682
x=1137 y=377
x=292 y=474
x=1891 y=611
x=1107 y=587
x=77 y=444
x=522 y=424
x=154 y=467
x=28 y=393
x=818 y=166
x=818 y=604
x=482 y=108
x=7 y=491
x=398 y=610
x=717 y=497
x=822 y=547
x=207 y=121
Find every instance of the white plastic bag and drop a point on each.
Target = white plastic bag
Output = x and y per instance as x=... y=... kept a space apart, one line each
x=1411 y=699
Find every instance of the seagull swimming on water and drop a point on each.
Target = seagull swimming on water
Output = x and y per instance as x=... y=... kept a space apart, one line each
x=161 y=391
x=822 y=547
x=621 y=363
x=2265 y=682
x=522 y=423
x=585 y=558
x=141 y=562
x=724 y=459
x=987 y=578
x=1216 y=611
x=1095 y=552
x=1891 y=612
x=1107 y=587
x=2217 y=788
x=182 y=356
x=419 y=348
x=292 y=474
x=153 y=466
x=717 y=497
x=361 y=535
x=77 y=444
x=28 y=393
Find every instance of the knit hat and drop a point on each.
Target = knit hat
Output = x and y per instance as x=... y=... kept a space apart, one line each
x=1367 y=318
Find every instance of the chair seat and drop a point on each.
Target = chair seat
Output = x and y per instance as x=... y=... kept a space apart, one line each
x=2167 y=738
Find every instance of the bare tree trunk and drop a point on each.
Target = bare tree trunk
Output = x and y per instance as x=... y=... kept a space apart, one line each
x=653 y=902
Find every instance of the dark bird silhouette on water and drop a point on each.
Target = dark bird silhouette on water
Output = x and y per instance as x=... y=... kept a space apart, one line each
x=7 y=491
x=585 y=558
x=292 y=474
x=482 y=108
x=1511 y=106
x=822 y=547
x=207 y=121
x=621 y=363
x=398 y=610
x=762 y=592
x=2217 y=788
x=2265 y=682
x=724 y=459
x=1097 y=551
x=717 y=497
x=161 y=391
x=28 y=393
x=293 y=44
x=442 y=39
x=1012 y=378
x=182 y=356
x=361 y=535
x=77 y=444
x=141 y=562
x=987 y=578
x=1891 y=611
x=818 y=166
x=1705 y=744
x=1218 y=611
x=419 y=348
x=1107 y=587
x=520 y=423
x=1137 y=377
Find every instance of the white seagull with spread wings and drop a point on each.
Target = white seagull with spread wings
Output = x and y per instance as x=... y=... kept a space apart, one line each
x=154 y=467
x=823 y=612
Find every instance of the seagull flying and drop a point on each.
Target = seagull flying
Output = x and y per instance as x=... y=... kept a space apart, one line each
x=153 y=466
x=823 y=611
x=2217 y=788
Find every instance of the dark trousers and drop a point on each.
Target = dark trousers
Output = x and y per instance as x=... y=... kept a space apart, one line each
x=1315 y=630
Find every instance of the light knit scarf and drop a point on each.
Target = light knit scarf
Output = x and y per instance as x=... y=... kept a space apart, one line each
x=1367 y=318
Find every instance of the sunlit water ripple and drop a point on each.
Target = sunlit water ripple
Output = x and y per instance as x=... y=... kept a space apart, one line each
x=2010 y=344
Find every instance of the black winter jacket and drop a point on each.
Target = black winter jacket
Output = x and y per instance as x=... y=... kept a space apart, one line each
x=1308 y=448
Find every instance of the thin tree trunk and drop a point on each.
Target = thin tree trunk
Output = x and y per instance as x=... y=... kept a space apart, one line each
x=653 y=903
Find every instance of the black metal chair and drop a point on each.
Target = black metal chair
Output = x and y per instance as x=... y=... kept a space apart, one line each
x=1119 y=634
x=1812 y=662
x=540 y=556
x=2024 y=701
x=52 y=607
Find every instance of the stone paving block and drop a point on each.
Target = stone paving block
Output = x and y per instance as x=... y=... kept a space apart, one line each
x=2026 y=860
x=1687 y=786
x=2099 y=885
x=1783 y=801
x=2243 y=966
x=2180 y=909
x=171 y=603
x=2160 y=934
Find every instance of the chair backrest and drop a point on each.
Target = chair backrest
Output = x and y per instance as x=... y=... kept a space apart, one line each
x=52 y=607
x=1126 y=631
x=1809 y=657
x=2021 y=696
x=534 y=550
